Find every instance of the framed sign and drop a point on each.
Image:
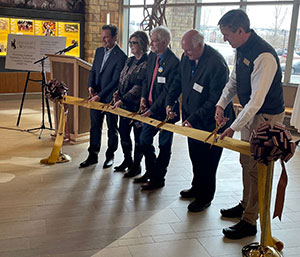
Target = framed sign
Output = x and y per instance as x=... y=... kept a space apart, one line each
x=24 y=50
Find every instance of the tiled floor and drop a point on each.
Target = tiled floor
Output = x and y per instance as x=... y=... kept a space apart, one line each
x=64 y=211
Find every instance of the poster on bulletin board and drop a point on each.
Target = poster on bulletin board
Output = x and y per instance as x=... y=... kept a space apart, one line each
x=4 y=31
x=24 y=50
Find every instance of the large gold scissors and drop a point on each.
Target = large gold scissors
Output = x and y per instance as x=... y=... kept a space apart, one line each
x=167 y=118
x=214 y=134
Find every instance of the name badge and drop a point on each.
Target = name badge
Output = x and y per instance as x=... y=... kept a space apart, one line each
x=198 y=87
x=161 y=80
x=246 y=61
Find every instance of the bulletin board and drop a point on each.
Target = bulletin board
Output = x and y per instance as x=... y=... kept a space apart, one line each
x=18 y=26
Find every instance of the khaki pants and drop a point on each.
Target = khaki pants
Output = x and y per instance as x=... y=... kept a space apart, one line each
x=250 y=191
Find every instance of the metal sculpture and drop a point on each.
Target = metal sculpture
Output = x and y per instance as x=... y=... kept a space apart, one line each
x=157 y=16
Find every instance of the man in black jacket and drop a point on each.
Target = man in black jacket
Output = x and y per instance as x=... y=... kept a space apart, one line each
x=103 y=81
x=161 y=69
x=201 y=78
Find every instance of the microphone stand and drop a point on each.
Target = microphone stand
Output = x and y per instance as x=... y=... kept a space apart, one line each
x=43 y=81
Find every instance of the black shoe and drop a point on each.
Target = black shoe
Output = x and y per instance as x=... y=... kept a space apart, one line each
x=240 y=230
x=108 y=163
x=89 y=161
x=188 y=193
x=127 y=163
x=152 y=185
x=134 y=171
x=197 y=206
x=142 y=179
x=234 y=212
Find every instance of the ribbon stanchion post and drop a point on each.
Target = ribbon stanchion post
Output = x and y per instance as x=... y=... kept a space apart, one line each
x=54 y=91
x=269 y=144
x=266 y=151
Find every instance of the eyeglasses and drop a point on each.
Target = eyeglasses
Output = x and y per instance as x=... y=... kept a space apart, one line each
x=132 y=42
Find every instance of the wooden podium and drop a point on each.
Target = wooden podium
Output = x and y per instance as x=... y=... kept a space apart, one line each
x=74 y=72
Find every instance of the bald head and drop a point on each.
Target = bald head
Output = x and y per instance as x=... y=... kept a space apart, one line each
x=192 y=44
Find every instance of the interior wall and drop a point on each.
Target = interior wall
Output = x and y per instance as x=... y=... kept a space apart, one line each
x=95 y=17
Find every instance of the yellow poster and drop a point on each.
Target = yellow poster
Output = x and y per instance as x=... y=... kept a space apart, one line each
x=71 y=31
x=22 y=26
x=4 y=31
x=45 y=28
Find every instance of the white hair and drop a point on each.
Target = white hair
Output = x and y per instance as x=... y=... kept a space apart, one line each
x=163 y=33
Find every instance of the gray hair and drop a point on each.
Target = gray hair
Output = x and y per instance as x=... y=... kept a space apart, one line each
x=163 y=33
x=235 y=19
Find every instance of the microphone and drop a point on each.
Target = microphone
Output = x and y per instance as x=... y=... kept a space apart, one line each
x=69 y=48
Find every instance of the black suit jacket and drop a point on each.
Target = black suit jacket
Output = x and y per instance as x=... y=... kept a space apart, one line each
x=106 y=81
x=202 y=90
x=165 y=75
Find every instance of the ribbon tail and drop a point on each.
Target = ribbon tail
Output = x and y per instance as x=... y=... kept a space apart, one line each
x=281 y=187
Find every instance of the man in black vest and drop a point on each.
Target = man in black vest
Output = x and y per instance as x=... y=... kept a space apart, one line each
x=201 y=77
x=256 y=79
x=103 y=81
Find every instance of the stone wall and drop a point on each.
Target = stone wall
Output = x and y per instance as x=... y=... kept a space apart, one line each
x=95 y=17
x=179 y=19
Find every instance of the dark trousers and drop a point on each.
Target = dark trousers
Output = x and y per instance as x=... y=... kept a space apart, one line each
x=205 y=162
x=156 y=167
x=125 y=127
x=97 y=118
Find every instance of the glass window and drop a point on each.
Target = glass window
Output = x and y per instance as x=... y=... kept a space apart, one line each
x=215 y=1
x=136 y=2
x=208 y=18
x=266 y=0
x=181 y=2
x=136 y=17
x=295 y=69
x=274 y=28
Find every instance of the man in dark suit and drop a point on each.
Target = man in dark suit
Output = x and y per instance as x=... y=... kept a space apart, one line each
x=103 y=81
x=201 y=78
x=161 y=69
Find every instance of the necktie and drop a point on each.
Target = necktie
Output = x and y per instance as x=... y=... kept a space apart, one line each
x=105 y=57
x=153 y=79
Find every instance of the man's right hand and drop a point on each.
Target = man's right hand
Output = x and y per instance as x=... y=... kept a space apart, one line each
x=91 y=92
x=219 y=116
x=143 y=105
x=93 y=96
x=169 y=113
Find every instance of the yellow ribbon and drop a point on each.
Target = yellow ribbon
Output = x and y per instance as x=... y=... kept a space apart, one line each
x=55 y=154
x=204 y=136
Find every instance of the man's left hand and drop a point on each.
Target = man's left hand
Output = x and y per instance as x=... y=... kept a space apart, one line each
x=146 y=113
